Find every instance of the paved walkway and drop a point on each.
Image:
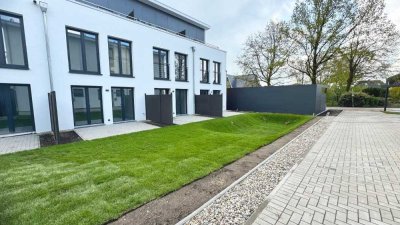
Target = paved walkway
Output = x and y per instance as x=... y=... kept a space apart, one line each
x=103 y=131
x=350 y=176
x=19 y=143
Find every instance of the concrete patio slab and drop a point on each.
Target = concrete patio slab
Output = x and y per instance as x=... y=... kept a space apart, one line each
x=231 y=113
x=97 y=132
x=181 y=120
x=19 y=143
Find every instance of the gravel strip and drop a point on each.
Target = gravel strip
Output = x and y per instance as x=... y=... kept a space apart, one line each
x=239 y=203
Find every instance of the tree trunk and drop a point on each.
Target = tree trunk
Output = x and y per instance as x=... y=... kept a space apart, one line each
x=350 y=79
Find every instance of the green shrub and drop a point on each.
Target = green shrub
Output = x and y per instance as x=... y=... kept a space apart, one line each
x=360 y=100
x=375 y=92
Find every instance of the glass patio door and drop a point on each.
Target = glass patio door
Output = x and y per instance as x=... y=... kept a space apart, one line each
x=16 y=114
x=123 y=104
x=87 y=105
x=181 y=101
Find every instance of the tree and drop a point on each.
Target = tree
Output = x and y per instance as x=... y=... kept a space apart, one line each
x=319 y=28
x=265 y=53
x=372 y=43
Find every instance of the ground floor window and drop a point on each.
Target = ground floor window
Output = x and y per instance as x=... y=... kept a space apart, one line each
x=216 y=92
x=204 y=92
x=161 y=91
x=181 y=101
x=123 y=104
x=16 y=114
x=87 y=105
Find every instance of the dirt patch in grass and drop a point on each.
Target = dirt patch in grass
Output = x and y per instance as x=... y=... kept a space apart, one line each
x=175 y=206
x=47 y=140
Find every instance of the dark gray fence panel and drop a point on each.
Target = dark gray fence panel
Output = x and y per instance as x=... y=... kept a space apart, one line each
x=159 y=109
x=209 y=105
x=296 y=99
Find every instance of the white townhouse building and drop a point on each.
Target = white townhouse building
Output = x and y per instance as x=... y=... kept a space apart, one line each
x=101 y=57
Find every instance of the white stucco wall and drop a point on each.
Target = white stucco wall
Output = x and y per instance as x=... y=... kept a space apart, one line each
x=62 y=13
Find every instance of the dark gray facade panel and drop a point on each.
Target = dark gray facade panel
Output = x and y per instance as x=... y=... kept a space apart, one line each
x=298 y=99
x=152 y=15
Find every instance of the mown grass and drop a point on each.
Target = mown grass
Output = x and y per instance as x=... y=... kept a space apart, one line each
x=92 y=182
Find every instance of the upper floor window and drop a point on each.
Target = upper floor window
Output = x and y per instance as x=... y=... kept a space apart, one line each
x=205 y=73
x=119 y=53
x=217 y=73
x=181 y=67
x=12 y=42
x=83 y=51
x=161 y=64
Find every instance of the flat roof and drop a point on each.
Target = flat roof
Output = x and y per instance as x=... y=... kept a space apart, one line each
x=167 y=9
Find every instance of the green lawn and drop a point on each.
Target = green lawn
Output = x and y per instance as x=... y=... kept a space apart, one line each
x=94 y=181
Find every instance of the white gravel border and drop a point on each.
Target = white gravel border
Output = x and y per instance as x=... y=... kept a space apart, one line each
x=236 y=203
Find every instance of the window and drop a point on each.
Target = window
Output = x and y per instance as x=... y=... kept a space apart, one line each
x=123 y=104
x=204 y=92
x=161 y=64
x=216 y=92
x=83 y=52
x=205 y=71
x=180 y=67
x=161 y=91
x=217 y=73
x=119 y=53
x=87 y=105
x=12 y=42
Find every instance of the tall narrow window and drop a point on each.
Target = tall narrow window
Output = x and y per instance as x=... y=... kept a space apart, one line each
x=12 y=42
x=161 y=64
x=180 y=67
x=217 y=73
x=83 y=52
x=205 y=74
x=119 y=53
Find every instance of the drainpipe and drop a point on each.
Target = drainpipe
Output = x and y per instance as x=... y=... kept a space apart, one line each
x=194 y=80
x=43 y=7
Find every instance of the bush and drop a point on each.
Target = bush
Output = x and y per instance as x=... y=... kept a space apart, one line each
x=376 y=92
x=360 y=100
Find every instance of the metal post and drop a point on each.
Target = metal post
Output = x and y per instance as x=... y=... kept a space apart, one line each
x=194 y=80
x=386 y=96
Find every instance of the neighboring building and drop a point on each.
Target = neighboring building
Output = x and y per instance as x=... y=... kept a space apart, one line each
x=105 y=57
x=242 y=81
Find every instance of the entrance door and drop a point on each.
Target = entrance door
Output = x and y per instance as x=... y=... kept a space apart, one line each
x=123 y=104
x=87 y=105
x=181 y=101
x=16 y=114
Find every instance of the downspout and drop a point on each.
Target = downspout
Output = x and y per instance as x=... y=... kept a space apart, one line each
x=43 y=7
x=194 y=80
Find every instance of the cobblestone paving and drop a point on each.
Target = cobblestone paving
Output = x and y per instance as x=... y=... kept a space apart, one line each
x=351 y=176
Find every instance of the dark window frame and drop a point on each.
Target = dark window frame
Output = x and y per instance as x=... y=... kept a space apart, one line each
x=160 y=64
x=86 y=87
x=121 y=89
x=24 y=49
x=217 y=74
x=205 y=72
x=184 y=69
x=217 y=92
x=119 y=40
x=83 y=51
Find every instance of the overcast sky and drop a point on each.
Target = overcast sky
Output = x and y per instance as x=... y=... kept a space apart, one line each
x=232 y=21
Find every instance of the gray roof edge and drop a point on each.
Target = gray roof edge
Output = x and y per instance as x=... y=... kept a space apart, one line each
x=167 y=9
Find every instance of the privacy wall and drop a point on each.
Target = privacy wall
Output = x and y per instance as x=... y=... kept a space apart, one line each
x=296 y=99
